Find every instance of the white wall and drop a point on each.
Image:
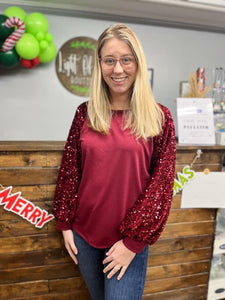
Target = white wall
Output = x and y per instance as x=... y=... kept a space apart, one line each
x=35 y=106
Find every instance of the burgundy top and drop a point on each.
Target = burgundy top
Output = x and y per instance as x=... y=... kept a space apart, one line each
x=111 y=187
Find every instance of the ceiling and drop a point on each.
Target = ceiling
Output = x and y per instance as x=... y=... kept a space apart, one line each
x=207 y=15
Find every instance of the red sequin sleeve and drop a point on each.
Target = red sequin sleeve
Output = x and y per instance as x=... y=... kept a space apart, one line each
x=146 y=220
x=65 y=200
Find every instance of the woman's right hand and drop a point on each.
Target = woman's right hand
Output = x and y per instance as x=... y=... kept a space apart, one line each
x=70 y=245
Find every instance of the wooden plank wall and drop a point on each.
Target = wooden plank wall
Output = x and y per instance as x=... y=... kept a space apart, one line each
x=34 y=264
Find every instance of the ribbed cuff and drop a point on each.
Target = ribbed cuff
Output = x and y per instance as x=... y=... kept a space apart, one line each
x=63 y=225
x=133 y=245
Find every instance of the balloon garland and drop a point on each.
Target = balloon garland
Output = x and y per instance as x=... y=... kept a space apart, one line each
x=25 y=40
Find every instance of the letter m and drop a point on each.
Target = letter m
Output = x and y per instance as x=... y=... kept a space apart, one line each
x=6 y=199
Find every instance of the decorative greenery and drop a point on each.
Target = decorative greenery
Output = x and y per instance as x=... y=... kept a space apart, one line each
x=79 y=89
x=194 y=88
x=83 y=44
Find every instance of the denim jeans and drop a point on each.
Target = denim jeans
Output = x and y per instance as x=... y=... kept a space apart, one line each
x=130 y=287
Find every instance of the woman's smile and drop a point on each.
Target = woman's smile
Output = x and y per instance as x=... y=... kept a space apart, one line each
x=119 y=80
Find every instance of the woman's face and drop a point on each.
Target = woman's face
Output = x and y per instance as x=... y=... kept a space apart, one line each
x=119 y=67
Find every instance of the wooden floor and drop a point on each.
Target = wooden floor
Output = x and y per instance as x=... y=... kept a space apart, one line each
x=34 y=264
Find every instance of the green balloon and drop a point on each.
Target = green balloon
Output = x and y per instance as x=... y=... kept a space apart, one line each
x=14 y=11
x=48 y=37
x=4 y=31
x=43 y=45
x=27 y=47
x=36 y=23
x=48 y=54
x=40 y=36
x=8 y=59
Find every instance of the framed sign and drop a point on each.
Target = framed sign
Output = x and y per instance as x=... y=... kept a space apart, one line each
x=74 y=64
x=195 y=121
x=184 y=88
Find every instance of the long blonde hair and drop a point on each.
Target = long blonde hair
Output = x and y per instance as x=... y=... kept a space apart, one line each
x=145 y=117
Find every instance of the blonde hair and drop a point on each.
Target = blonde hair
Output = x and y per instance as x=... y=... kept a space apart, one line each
x=145 y=117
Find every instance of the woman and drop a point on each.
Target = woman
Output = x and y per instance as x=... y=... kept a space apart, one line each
x=115 y=183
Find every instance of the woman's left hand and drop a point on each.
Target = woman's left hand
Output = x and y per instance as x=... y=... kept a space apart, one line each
x=118 y=258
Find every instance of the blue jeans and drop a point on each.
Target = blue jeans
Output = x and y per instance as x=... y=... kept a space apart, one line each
x=130 y=287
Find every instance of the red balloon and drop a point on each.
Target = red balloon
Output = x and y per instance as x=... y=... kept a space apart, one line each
x=25 y=63
x=36 y=61
x=29 y=63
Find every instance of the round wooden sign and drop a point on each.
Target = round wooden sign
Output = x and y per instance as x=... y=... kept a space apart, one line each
x=74 y=64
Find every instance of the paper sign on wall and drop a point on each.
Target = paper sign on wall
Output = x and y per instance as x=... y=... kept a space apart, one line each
x=205 y=190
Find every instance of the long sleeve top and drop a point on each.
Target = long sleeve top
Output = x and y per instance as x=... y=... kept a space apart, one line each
x=142 y=210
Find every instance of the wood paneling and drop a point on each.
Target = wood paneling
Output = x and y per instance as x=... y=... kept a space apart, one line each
x=28 y=176
x=193 y=293
x=175 y=270
x=172 y=283
x=34 y=264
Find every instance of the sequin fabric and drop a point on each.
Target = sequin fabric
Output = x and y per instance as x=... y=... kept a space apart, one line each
x=146 y=220
x=65 y=200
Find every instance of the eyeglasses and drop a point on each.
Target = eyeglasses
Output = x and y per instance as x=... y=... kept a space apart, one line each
x=125 y=61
